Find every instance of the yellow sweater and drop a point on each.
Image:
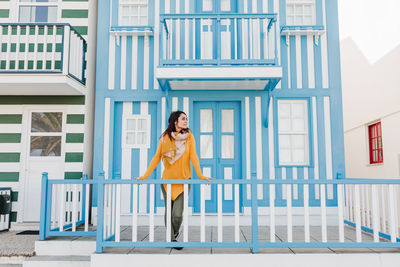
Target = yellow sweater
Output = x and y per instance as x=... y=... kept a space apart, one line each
x=180 y=169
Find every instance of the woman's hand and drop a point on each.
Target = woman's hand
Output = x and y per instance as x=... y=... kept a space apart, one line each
x=206 y=178
x=141 y=178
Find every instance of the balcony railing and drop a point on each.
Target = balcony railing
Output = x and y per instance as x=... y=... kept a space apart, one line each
x=218 y=39
x=367 y=205
x=42 y=48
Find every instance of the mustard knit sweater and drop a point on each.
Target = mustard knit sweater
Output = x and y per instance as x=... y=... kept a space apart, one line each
x=180 y=169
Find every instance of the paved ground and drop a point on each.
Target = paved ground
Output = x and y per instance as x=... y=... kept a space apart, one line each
x=17 y=245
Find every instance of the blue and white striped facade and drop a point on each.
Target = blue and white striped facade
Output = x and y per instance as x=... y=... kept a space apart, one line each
x=129 y=60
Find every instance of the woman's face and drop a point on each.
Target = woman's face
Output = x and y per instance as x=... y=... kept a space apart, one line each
x=182 y=122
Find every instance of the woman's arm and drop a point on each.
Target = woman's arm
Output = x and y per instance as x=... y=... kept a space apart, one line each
x=195 y=159
x=153 y=164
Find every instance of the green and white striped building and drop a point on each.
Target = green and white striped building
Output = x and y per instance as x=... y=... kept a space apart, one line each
x=47 y=71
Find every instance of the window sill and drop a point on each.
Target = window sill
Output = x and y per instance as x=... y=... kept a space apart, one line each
x=313 y=30
x=374 y=164
x=131 y=31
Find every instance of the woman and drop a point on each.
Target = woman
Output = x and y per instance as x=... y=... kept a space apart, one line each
x=176 y=148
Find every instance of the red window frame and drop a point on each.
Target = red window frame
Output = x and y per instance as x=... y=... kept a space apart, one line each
x=375 y=143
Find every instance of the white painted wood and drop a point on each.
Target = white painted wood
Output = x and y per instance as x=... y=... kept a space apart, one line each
x=143 y=153
x=271 y=140
x=168 y=232
x=187 y=37
x=134 y=62
x=156 y=41
x=74 y=206
x=109 y=210
x=186 y=108
x=113 y=208
x=323 y=214
x=351 y=200
x=272 y=212
x=383 y=207
x=328 y=144
x=375 y=212
x=324 y=52
x=53 y=202
x=306 y=213
x=134 y=212
x=151 y=208
x=288 y=64
x=105 y=211
x=315 y=135
x=259 y=146
x=193 y=38
x=347 y=203
x=87 y=198
x=174 y=103
x=289 y=213
x=393 y=214
x=185 y=213
x=111 y=62
x=340 y=211
x=295 y=186
x=61 y=219
x=219 y=210
x=123 y=62
x=106 y=150
x=298 y=62
x=367 y=205
x=126 y=164
x=237 y=222
x=146 y=63
x=53 y=46
x=118 y=213
x=202 y=214
x=310 y=58
x=177 y=38
x=247 y=131
x=363 y=205
x=357 y=211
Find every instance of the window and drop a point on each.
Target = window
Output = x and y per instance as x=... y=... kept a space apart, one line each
x=37 y=11
x=133 y=12
x=375 y=143
x=300 y=12
x=46 y=132
x=293 y=132
x=136 y=131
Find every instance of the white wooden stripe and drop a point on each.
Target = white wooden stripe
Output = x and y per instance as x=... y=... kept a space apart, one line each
x=298 y=62
x=61 y=218
x=193 y=38
x=202 y=214
x=74 y=128
x=156 y=41
x=259 y=146
x=146 y=63
x=87 y=198
x=109 y=207
x=134 y=212
x=106 y=150
x=324 y=52
x=118 y=213
x=112 y=211
x=10 y=166
x=323 y=214
x=306 y=214
x=375 y=212
x=111 y=62
x=310 y=58
x=168 y=232
x=247 y=123
x=289 y=213
x=340 y=212
x=383 y=207
x=351 y=201
x=174 y=103
x=126 y=164
x=187 y=37
x=72 y=147
x=74 y=206
x=134 y=62
x=328 y=144
x=272 y=212
x=143 y=153
x=177 y=38
x=123 y=62
x=284 y=190
x=271 y=140
x=185 y=213
x=368 y=205
x=186 y=107
x=53 y=201
x=219 y=201
x=363 y=208
x=236 y=188
x=288 y=64
x=393 y=214
x=357 y=211
x=151 y=208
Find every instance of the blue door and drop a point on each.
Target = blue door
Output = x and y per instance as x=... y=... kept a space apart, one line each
x=217 y=129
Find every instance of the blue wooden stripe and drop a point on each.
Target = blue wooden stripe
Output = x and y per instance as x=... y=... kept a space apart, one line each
x=140 y=63
x=317 y=64
x=117 y=152
x=129 y=62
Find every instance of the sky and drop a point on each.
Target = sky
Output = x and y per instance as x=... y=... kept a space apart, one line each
x=374 y=25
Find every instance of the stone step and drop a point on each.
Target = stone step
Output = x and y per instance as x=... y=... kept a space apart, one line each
x=57 y=261
x=65 y=248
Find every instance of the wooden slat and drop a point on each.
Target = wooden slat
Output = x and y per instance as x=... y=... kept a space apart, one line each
x=134 y=212
x=62 y=208
x=168 y=232
x=219 y=210
x=118 y=213
x=236 y=188
x=87 y=207
x=151 y=208
x=323 y=213
x=202 y=214
x=367 y=206
x=53 y=203
x=340 y=198
x=375 y=212
x=185 y=213
x=53 y=46
x=306 y=213
x=272 y=212
x=383 y=207
x=74 y=206
x=357 y=211
x=393 y=214
x=112 y=213
x=363 y=210
x=289 y=213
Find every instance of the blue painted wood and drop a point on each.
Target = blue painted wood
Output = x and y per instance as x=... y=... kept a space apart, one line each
x=43 y=207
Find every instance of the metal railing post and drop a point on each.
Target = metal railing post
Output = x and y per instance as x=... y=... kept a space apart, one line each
x=43 y=207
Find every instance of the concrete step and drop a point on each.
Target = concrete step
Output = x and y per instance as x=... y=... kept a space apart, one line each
x=57 y=261
x=65 y=248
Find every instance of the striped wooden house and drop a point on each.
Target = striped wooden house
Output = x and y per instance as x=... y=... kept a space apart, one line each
x=46 y=96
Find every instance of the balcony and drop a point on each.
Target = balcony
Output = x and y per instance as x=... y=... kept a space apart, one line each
x=218 y=52
x=41 y=59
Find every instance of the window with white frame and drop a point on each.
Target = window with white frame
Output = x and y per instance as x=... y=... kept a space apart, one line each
x=133 y=12
x=30 y=11
x=300 y=12
x=293 y=132
x=136 y=131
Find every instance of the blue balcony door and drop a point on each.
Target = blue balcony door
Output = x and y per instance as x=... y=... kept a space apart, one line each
x=217 y=128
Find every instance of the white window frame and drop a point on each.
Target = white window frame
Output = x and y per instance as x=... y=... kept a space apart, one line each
x=34 y=4
x=305 y=133
x=147 y=118
x=302 y=3
x=130 y=3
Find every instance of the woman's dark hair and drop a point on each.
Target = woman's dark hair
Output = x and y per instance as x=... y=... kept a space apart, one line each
x=171 y=124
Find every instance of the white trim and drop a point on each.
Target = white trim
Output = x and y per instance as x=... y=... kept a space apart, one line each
x=146 y=63
x=310 y=58
x=123 y=62
x=144 y=109
x=271 y=147
x=247 y=132
x=299 y=71
x=106 y=146
x=174 y=103
x=111 y=61
x=134 y=62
